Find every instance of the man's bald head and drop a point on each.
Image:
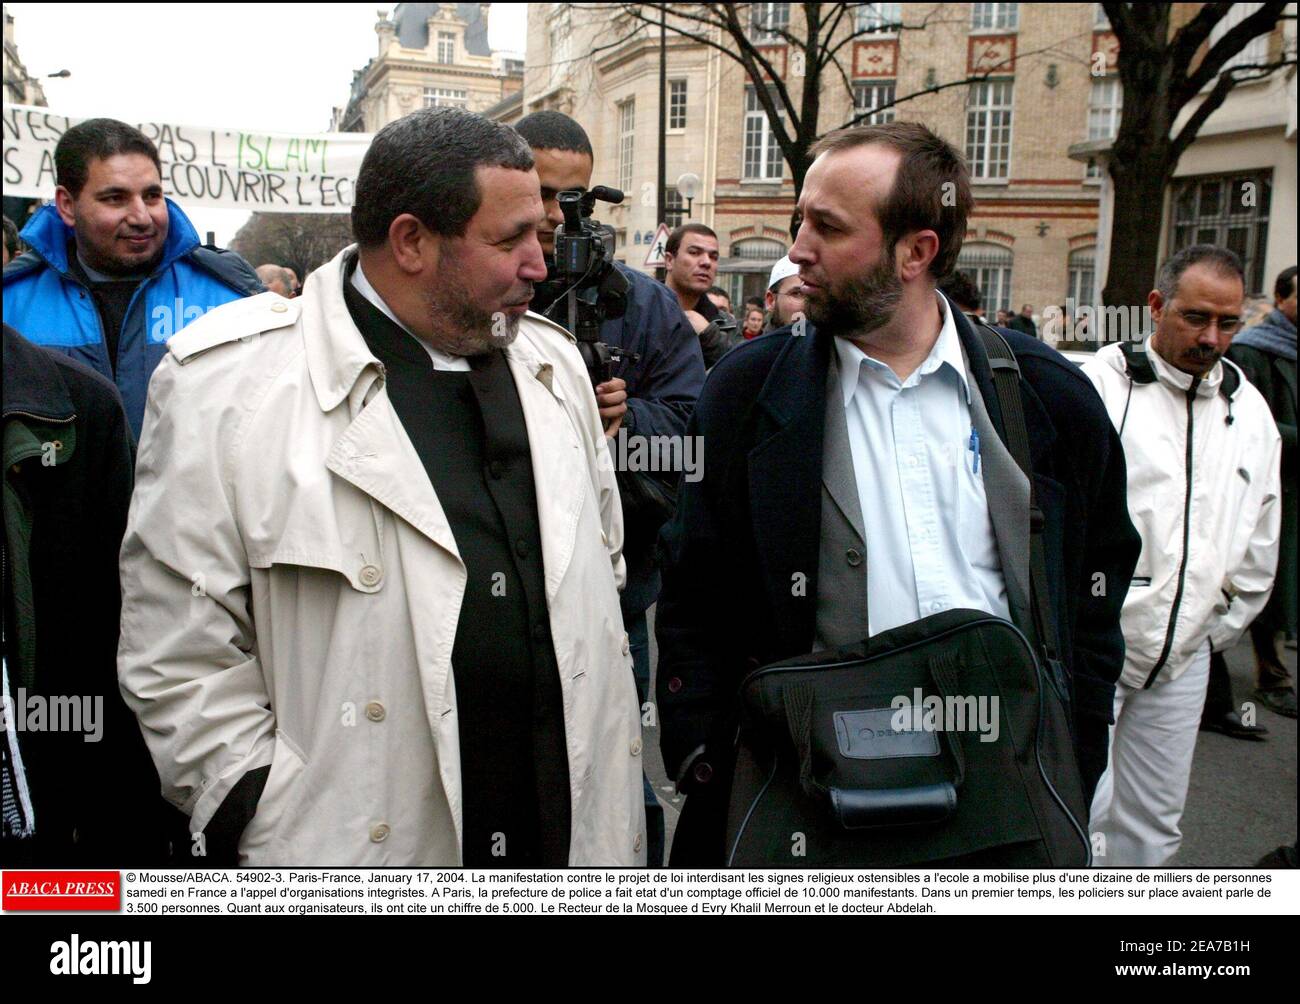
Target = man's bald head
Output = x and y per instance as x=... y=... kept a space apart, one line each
x=276 y=278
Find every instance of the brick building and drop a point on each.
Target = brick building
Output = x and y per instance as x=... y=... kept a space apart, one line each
x=1236 y=184
x=1033 y=237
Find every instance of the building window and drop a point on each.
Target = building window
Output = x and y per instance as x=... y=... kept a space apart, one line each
x=677 y=104
x=1256 y=50
x=445 y=97
x=1083 y=279
x=1104 y=106
x=868 y=95
x=991 y=16
x=446 y=47
x=988 y=129
x=989 y=267
x=882 y=18
x=762 y=249
x=674 y=207
x=560 y=46
x=768 y=21
x=1230 y=210
x=763 y=161
x=748 y=268
x=626 y=142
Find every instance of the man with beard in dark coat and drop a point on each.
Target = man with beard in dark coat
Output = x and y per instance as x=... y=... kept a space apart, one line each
x=796 y=460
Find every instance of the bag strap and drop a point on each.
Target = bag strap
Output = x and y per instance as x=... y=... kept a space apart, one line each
x=1006 y=381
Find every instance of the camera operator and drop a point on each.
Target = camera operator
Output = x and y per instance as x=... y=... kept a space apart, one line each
x=653 y=393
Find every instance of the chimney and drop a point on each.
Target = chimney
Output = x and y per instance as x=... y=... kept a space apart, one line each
x=386 y=31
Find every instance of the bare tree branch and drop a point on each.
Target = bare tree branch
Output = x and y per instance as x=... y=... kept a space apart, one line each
x=1215 y=99
x=1261 y=22
x=1118 y=16
x=831 y=29
x=1189 y=37
x=749 y=56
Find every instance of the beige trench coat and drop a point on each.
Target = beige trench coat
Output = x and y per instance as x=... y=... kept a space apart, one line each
x=291 y=590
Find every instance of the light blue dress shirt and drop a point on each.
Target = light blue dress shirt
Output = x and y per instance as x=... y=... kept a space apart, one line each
x=930 y=542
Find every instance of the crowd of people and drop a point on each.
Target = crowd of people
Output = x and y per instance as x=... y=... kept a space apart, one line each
x=345 y=572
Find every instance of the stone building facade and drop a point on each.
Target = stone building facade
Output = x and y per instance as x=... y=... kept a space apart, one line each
x=429 y=54
x=1051 y=85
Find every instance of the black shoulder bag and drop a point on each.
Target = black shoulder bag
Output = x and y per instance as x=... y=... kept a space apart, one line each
x=944 y=742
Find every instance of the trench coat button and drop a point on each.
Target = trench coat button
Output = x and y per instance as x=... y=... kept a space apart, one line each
x=370 y=575
x=376 y=711
x=58 y=444
x=627 y=645
x=379 y=833
x=636 y=747
x=636 y=844
x=675 y=685
x=703 y=772
x=521 y=548
x=539 y=632
x=279 y=308
x=854 y=556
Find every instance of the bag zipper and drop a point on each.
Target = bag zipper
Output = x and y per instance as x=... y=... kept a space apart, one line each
x=1187 y=532
x=41 y=418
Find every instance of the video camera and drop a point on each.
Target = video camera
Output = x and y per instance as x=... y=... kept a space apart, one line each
x=593 y=290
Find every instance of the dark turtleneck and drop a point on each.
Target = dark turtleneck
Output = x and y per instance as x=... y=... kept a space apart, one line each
x=468 y=430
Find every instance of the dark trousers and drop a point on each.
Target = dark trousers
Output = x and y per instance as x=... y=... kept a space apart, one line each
x=1218 y=693
x=638 y=636
x=1270 y=674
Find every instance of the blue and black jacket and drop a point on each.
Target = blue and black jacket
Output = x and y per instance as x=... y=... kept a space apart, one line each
x=45 y=301
x=663 y=382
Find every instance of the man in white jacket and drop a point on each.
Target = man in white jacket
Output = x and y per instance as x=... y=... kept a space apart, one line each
x=372 y=562
x=1203 y=458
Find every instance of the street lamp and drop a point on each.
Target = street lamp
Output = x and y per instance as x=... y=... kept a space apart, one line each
x=28 y=79
x=23 y=78
x=688 y=187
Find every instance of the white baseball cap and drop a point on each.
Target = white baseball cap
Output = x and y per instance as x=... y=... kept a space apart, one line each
x=783 y=269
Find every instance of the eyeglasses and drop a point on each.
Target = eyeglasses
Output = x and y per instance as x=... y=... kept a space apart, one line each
x=1200 y=321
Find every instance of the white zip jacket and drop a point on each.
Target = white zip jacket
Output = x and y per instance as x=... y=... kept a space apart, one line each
x=1204 y=494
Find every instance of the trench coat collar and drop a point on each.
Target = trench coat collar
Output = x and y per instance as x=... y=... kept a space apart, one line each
x=338 y=356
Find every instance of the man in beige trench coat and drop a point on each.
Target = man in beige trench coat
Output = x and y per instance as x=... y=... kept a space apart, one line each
x=371 y=570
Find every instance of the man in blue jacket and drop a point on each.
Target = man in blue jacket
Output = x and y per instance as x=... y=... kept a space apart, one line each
x=115 y=268
x=652 y=394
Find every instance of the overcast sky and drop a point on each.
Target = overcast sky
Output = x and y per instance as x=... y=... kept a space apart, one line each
x=277 y=67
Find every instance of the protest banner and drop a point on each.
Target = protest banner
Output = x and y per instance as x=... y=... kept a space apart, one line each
x=203 y=166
